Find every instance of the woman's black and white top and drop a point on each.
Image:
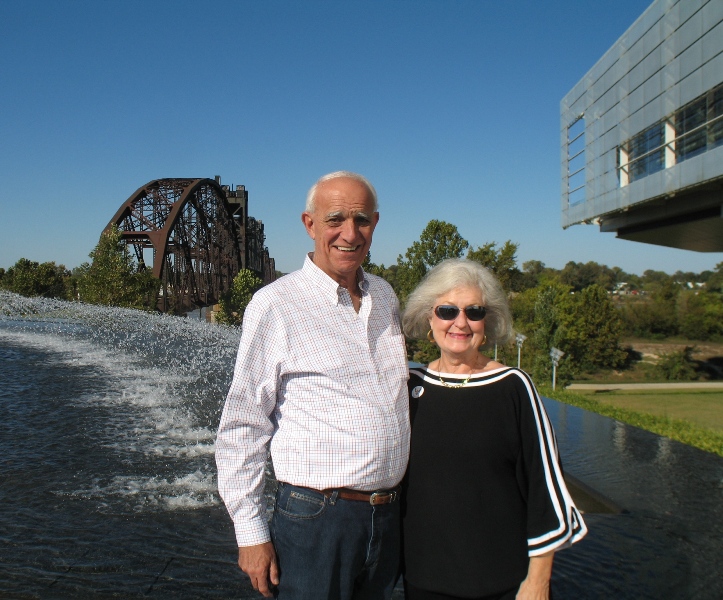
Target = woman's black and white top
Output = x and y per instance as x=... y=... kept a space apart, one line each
x=484 y=489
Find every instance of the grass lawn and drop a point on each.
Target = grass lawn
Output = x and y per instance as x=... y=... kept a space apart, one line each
x=703 y=408
x=648 y=412
x=694 y=417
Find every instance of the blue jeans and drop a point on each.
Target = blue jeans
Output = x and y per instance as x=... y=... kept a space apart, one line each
x=334 y=549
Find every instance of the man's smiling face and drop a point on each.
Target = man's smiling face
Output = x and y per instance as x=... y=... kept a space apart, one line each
x=341 y=226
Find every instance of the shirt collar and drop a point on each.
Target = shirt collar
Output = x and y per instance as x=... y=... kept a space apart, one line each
x=326 y=284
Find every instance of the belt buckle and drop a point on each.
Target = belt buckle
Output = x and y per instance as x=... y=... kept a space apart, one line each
x=382 y=497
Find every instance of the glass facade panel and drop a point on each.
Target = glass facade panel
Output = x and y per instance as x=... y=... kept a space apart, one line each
x=645 y=152
x=577 y=181
x=715 y=116
x=576 y=137
x=690 y=128
x=576 y=196
x=576 y=162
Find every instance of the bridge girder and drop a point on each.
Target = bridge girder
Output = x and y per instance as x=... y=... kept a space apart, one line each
x=188 y=227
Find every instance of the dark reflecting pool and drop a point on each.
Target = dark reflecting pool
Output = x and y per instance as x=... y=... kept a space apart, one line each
x=108 y=489
x=668 y=541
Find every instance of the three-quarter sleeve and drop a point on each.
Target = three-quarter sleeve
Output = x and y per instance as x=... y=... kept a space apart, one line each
x=553 y=520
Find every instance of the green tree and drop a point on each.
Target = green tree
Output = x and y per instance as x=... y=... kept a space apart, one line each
x=30 y=278
x=654 y=315
x=700 y=315
x=652 y=280
x=234 y=302
x=502 y=262
x=439 y=240
x=389 y=274
x=715 y=280
x=586 y=326
x=534 y=273
x=579 y=276
x=369 y=266
x=114 y=279
x=547 y=334
x=685 y=276
x=422 y=351
x=534 y=267
x=663 y=313
x=592 y=329
x=522 y=306
x=633 y=282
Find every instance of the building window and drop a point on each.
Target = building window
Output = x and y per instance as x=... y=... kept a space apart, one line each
x=645 y=152
x=576 y=161
x=715 y=117
x=693 y=129
x=690 y=125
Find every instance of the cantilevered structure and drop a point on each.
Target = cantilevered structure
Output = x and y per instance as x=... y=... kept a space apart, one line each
x=642 y=132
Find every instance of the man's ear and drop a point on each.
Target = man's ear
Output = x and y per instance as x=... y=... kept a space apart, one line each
x=375 y=219
x=308 y=220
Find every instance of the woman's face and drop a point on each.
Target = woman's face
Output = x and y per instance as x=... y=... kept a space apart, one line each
x=459 y=337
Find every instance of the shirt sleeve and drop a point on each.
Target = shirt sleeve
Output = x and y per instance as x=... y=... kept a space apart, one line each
x=553 y=520
x=246 y=424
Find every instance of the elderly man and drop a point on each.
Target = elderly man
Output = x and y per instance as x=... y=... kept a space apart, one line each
x=320 y=380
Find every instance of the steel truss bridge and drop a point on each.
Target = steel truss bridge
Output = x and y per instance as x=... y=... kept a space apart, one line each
x=197 y=235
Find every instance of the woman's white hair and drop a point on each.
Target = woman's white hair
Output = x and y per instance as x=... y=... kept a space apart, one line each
x=446 y=276
x=311 y=195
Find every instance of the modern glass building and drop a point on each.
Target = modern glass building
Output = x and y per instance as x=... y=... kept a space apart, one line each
x=642 y=132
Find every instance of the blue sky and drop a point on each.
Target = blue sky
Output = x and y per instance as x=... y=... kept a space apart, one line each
x=450 y=107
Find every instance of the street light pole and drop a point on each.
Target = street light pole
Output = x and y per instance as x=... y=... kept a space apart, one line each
x=555 y=355
x=519 y=340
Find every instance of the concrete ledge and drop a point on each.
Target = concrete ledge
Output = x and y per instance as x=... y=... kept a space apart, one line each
x=589 y=500
x=647 y=386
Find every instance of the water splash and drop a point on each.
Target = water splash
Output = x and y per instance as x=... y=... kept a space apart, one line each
x=161 y=382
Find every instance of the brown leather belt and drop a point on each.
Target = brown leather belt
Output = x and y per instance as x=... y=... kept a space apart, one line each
x=373 y=498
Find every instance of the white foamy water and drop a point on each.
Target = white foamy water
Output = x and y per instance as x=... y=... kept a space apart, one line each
x=159 y=383
x=195 y=490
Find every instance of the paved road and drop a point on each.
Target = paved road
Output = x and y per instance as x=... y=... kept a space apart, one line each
x=698 y=385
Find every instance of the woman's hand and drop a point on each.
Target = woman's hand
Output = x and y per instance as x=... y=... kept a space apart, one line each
x=536 y=585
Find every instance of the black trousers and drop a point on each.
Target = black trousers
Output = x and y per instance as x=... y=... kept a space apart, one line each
x=414 y=593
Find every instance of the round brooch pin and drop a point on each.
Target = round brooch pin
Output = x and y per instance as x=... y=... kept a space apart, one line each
x=417 y=391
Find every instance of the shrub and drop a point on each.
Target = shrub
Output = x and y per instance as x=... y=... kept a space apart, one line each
x=677 y=365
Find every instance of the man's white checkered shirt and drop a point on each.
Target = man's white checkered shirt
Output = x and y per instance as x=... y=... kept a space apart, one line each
x=325 y=385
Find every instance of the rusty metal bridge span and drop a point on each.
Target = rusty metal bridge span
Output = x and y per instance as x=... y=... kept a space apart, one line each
x=197 y=235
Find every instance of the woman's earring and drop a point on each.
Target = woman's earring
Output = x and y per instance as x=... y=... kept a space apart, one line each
x=484 y=340
x=430 y=336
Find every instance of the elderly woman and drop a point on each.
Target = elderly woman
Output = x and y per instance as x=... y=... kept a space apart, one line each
x=486 y=506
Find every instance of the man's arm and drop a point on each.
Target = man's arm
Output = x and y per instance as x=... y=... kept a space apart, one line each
x=259 y=563
x=246 y=428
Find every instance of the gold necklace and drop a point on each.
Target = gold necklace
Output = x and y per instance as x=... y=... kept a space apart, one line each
x=455 y=385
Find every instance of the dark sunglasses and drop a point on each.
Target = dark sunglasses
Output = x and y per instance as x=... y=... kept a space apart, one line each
x=448 y=312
